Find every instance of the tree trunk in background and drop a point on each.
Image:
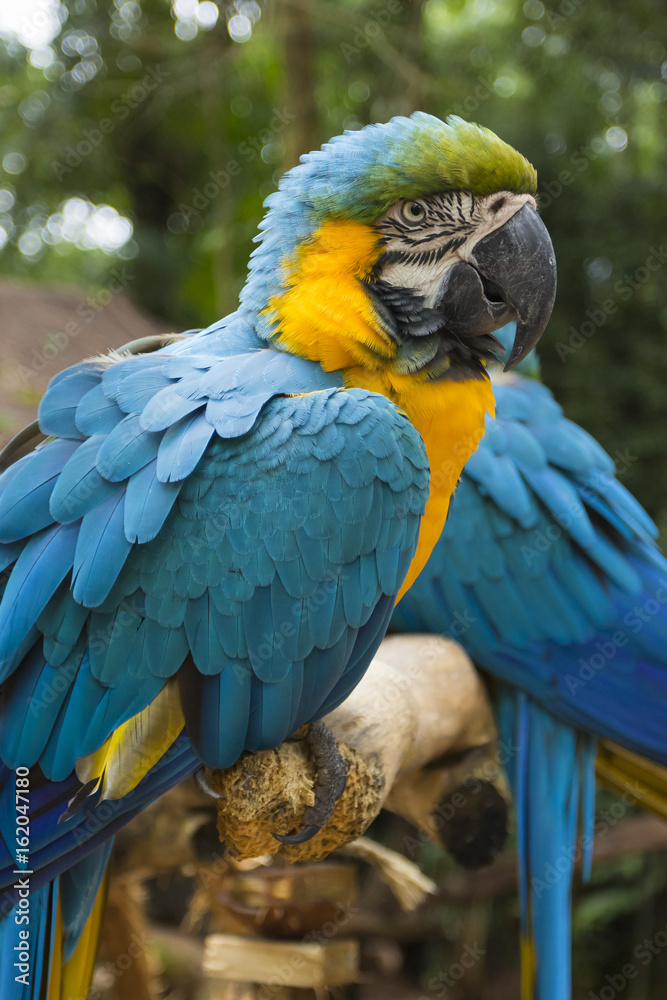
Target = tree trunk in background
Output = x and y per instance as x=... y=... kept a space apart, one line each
x=412 y=48
x=295 y=27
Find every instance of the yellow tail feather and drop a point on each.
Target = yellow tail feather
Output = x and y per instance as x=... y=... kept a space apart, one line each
x=630 y=775
x=72 y=980
x=135 y=746
x=527 y=968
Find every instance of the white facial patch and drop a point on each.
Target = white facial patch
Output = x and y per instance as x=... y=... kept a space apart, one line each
x=424 y=238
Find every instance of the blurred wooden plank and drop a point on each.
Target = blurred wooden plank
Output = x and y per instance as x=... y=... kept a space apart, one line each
x=300 y=886
x=285 y=963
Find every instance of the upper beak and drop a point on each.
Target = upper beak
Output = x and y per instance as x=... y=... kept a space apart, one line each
x=511 y=275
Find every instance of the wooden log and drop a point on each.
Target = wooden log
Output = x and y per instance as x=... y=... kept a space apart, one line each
x=421 y=704
x=307 y=907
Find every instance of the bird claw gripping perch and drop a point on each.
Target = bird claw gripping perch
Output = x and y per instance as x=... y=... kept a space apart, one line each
x=331 y=781
x=203 y=785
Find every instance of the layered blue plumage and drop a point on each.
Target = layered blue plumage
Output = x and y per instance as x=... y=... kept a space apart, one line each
x=212 y=516
x=238 y=521
x=549 y=575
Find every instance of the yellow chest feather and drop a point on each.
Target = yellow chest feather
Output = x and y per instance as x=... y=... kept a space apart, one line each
x=326 y=315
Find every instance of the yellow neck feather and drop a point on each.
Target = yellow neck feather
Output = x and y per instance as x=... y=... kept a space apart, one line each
x=325 y=314
x=449 y=416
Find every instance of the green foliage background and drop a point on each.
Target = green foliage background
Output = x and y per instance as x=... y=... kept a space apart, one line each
x=199 y=130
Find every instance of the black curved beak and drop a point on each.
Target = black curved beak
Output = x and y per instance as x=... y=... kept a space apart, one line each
x=511 y=276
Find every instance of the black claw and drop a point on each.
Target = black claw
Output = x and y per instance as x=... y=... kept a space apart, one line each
x=203 y=785
x=301 y=837
x=330 y=784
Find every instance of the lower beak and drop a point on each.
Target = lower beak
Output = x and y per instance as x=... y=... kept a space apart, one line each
x=511 y=276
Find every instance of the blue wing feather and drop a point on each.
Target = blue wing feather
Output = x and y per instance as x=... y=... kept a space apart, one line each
x=126 y=450
x=80 y=487
x=78 y=890
x=42 y=566
x=57 y=410
x=101 y=550
x=24 y=503
x=97 y=413
x=148 y=502
x=182 y=446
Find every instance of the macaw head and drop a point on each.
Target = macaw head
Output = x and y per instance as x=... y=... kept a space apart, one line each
x=402 y=247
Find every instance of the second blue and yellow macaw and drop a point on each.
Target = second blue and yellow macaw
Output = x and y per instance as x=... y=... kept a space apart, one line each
x=548 y=574
x=205 y=552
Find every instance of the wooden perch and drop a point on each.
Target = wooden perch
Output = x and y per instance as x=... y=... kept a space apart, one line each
x=421 y=711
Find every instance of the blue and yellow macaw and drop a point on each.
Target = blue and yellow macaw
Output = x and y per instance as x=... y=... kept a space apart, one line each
x=548 y=573
x=204 y=553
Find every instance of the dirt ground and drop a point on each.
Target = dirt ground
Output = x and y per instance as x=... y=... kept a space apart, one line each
x=44 y=330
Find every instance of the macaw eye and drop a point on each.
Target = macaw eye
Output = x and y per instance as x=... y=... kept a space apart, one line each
x=413 y=211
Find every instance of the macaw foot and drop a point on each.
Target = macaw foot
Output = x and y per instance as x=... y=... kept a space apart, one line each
x=330 y=785
x=203 y=785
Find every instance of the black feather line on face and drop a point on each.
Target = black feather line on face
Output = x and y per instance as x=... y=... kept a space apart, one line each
x=410 y=323
x=417 y=259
